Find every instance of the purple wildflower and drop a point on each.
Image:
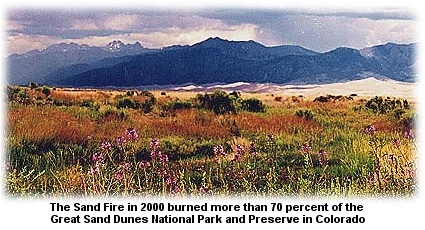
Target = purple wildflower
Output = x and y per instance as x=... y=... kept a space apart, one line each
x=371 y=179
x=240 y=149
x=370 y=129
x=171 y=180
x=410 y=170
x=253 y=150
x=168 y=181
x=162 y=172
x=121 y=141
x=118 y=175
x=99 y=161
x=392 y=157
x=163 y=158
x=202 y=189
x=95 y=169
x=396 y=142
x=219 y=151
x=322 y=157
x=155 y=148
x=105 y=146
x=254 y=154
x=98 y=157
x=305 y=148
x=131 y=134
x=143 y=164
x=176 y=190
x=408 y=134
x=154 y=144
x=124 y=166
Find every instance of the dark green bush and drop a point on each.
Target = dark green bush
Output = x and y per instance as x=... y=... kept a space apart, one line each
x=219 y=102
x=127 y=102
x=321 y=99
x=307 y=114
x=148 y=101
x=46 y=90
x=329 y=98
x=380 y=105
x=253 y=105
x=86 y=103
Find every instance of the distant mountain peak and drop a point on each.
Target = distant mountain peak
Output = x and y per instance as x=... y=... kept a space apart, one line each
x=211 y=41
x=217 y=41
x=63 y=47
x=117 y=45
x=114 y=45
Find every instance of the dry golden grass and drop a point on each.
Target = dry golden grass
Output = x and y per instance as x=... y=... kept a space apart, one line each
x=274 y=124
x=77 y=95
x=39 y=137
x=43 y=124
x=58 y=124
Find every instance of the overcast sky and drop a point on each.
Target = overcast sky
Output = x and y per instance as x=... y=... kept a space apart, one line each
x=319 y=30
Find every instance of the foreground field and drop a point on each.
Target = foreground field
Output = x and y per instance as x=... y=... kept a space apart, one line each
x=114 y=143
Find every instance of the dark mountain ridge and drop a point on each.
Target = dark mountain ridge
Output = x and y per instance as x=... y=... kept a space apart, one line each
x=36 y=65
x=218 y=60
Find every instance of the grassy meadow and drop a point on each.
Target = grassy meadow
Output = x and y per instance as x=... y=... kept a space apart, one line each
x=67 y=142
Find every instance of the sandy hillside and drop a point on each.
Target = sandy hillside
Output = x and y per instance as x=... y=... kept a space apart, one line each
x=365 y=87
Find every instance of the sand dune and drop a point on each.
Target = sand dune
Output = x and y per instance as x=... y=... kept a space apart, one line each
x=365 y=87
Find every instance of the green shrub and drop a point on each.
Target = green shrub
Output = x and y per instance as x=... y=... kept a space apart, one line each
x=127 y=102
x=307 y=114
x=329 y=98
x=253 y=105
x=23 y=97
x=148 y=101
x=177 y=104
x=46 y=90
x=86 y=103
x=33 y=85
x=170 y=107
x=380 y=105
x=321 y=99
x=219 y=102
x=12 y=92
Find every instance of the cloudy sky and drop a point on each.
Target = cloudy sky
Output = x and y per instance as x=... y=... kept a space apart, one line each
x=317 y=29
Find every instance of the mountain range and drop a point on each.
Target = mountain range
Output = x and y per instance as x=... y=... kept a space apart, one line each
x=210 y=61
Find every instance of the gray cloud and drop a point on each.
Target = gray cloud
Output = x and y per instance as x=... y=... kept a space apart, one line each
x=320 y=30
x=266 y=16
x=323 y=30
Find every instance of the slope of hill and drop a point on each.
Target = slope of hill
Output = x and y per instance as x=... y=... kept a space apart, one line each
x=210 y=61
x=35 y=66
x=364 y=87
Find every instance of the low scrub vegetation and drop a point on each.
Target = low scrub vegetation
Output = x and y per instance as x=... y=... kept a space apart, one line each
x=115 y=143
